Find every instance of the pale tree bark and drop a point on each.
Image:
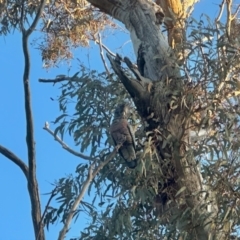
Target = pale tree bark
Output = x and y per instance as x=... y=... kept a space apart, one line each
x=143 y=19
x=176 y=12
x=157 y=92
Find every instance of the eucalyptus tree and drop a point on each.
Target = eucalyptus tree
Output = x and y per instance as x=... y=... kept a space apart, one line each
x=183 y=87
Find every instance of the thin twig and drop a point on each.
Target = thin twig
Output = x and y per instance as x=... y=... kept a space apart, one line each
x=65 y=146
x=221 y=11
x=11 y=156
x=107 y=49
x=102 y=56
x=91 y=176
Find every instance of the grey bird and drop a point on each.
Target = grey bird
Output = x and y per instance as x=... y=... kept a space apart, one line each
x=121 y=132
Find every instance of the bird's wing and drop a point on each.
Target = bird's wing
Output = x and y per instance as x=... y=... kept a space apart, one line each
x=122 y=132
x=132 y=136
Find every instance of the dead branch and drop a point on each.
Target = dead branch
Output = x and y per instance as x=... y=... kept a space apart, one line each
x=221 y=11
x=11 y=156
x=65 y=146
x=107 y=49
x=36 y=19
x=56 y=80
x=91 y=175
x=102 y=55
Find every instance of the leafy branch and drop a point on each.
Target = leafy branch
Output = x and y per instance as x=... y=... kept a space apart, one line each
x=65 y=146
x=57 y=80
x=91 y=175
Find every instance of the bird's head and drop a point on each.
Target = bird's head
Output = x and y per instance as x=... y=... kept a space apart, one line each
x=122 y=110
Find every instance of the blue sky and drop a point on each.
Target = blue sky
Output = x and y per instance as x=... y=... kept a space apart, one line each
x=52 y=161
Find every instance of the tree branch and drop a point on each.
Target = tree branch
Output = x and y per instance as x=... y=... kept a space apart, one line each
x=142 y=19
x=36 y=19
x=57 y=80
x=102 y=55
x=107 y=49
x=229 y=18
x=91 y=175
x=28 y=110
x=32 y=181
x=11 y=156
x=65 y=146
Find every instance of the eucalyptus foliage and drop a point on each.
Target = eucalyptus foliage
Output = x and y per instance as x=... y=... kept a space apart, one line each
x=127 y=208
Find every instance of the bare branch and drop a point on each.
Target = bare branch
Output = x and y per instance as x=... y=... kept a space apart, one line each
x=28 y=111
x=221 y=11
x=109 y=158
x=36 y=19
x=65 y=146
x=91 y=176
x=11 y=156
x=107 y=49
x=32 y=180
x=102 y=55
x=57 y=80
